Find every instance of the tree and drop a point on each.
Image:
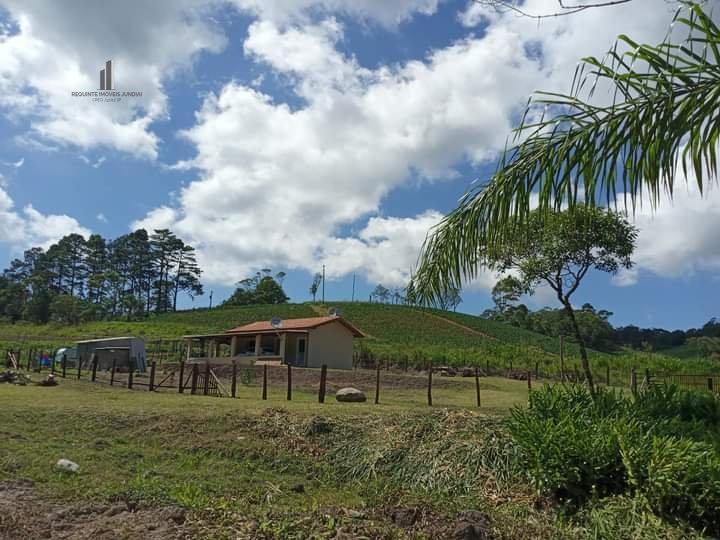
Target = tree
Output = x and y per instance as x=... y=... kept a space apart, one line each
x=564 y=8
x=380 y=293
x=558 y=250
x=506 y=292
x=262 y=288
x=661 y=121
x=317 y=279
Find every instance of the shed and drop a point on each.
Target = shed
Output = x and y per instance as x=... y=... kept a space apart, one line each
x=125 y=350
x=308 y=342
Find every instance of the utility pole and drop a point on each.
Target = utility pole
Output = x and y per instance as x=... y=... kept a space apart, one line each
x=323 y=288
x=353 y=290
x=211 y=293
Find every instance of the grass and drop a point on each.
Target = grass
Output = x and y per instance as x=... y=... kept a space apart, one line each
x=243 y=457
x=236 y=464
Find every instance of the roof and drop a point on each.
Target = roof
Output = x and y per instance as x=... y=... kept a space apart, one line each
x=290 y=325
x=105 y=339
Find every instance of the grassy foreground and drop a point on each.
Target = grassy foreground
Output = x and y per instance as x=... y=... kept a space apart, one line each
x=246 y=468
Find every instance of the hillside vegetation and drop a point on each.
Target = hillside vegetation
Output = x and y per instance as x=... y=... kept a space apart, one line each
x=398 y=334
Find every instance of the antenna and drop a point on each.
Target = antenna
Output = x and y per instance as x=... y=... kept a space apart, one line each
x=276 y=322
x=334 y=312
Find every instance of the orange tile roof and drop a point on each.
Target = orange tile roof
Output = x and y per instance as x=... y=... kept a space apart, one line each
x=293 y=324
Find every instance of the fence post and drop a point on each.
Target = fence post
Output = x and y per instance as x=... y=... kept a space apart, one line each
x=647 y=377
x=477 y=387
x=487 y=367
x=206 y=386
x=112 y=372
x=537 y=370
x=377 y=385
x=323 y=379
x=264 y=386
x=233 y=385
x=607 y=374
x=710 y=383
x=30 y=355
x=562 y=358
x=79 y=361
x=181 y=383
x=429 y=388
x=151 y=385
x=289 y=382
x=131 y=370
x=193 y=382
x=64 y=364
x=94 y=368
x=633 y=382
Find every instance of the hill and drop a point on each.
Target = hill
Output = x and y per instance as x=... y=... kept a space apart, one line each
x=402 y=334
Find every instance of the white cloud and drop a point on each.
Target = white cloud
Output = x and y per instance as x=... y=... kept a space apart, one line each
x=385 y=12
x=14 y=164
x=60 y=48
x=101 y=218
x=680 y=237
x=31 y=228
x=276 y=183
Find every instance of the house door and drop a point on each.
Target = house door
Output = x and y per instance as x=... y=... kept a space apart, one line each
x=300 y=356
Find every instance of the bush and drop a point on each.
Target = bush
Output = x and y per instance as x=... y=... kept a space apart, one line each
x=569 y=444
x=661 y=447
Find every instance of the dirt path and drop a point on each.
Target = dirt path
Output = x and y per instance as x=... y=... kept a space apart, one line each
x=25 y=515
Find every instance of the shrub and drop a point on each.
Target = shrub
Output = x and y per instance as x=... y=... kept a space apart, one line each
x=659 y=447
x=569 y=444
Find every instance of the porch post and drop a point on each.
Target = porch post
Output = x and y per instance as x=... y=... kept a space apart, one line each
x=211 y=348
x=258 y=344
x=282 y=348
x=233 y=346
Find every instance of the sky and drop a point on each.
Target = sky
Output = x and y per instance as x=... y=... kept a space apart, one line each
x=292 y=134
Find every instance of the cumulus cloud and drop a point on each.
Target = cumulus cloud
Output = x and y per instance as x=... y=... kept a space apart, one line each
x=679 y=238
x=59 y=47
x=29 y=227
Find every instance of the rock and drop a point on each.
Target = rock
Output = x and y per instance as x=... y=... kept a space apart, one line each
x=67 y=465
x=350 y=395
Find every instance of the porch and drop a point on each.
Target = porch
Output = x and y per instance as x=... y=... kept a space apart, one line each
x=278 y=347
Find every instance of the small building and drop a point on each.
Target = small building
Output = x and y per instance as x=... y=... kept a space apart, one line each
x=125 y=351
x=309 y=342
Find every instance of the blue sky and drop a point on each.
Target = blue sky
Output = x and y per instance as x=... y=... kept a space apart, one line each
x=295 y=133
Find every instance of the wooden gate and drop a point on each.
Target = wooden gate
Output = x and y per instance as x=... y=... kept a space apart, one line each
x=203 y=380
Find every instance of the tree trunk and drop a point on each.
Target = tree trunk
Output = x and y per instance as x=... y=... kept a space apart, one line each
x=583 y=353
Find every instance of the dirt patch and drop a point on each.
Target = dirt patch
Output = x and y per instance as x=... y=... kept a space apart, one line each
x=25 y=515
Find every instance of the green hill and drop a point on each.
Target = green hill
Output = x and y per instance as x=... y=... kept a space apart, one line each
x=403 y=335
x=396 y=333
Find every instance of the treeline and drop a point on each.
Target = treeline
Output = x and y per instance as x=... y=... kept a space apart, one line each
x=599 y=333
x=77 y=280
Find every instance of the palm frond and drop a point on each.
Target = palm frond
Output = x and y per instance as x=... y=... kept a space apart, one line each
x=664 y=115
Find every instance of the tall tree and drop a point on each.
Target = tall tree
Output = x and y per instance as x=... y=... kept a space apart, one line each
x=315 y=285
x=186 y=273
x=661 y=122
x=558 y=250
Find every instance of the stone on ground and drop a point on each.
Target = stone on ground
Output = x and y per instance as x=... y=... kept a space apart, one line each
x=350 y=395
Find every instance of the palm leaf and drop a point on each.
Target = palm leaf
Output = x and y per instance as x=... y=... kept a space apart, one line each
x=663 y=119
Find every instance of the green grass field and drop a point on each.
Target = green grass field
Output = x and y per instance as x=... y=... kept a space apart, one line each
x=247 y=468
x=235 y=464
